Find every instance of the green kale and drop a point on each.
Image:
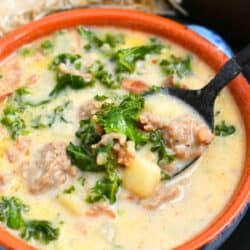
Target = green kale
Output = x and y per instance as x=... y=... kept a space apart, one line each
x=113 y=40
x=70 y=190
x=159 y=147
x=11 y=210
x=105 y=189
x=165 y=176
x=25 y=52
x=126 y=58
x=12 y=113
x=47 y=46
x=93 y=40
x=103 y=76
x=223 y=129
x=87 y=132
x=82 y=180
x=65 y=58
x=97 y=42
x=64 y=80
x=177 y=66
x=11 y=213
x=40 y=230
x=123 y=118
x=1 y=76
x=83 y=157
x=69 y=80
x=49 y=119
x=100 y=97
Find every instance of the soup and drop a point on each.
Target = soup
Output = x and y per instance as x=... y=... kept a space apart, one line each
x=89 y=143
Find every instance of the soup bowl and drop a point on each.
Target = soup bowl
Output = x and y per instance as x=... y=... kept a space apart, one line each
x=179 y=34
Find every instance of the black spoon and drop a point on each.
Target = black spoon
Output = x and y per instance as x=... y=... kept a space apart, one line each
x=202 y=100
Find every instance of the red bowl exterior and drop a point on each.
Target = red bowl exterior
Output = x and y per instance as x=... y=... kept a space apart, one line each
x=164 y=28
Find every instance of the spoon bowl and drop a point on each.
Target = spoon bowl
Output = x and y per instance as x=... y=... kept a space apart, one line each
x=202 y=100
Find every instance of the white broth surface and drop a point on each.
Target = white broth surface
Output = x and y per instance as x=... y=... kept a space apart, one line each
x=141 y=207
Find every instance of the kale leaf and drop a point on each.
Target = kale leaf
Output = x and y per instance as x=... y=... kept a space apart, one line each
x=11 y=210
x=126 y=58
x=105 y=189
x=65 y=58
x=87 y=132
x=123 y=118
x=177 y=66
x=103 y=76
x=159 y=147
x=47 y=46
x=11 y=213
x=64 y=80
x=223 y=129
x=48 y=120
x=97 y=42
x=12 y=113
x=83 y=157
x=40 y=230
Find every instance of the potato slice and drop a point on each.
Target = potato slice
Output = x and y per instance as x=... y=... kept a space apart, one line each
x=141 y=177
x=72 y=203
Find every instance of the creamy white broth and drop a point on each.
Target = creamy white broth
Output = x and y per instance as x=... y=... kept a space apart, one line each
x=204 y=190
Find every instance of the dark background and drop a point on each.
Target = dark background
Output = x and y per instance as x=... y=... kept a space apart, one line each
x=230 y=19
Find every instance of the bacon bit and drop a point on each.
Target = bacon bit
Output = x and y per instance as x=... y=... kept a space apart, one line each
x=134 y=86
x=154 y=61
x=164 y=194
x=80 y=227
x=2 y=180
x=100 y=209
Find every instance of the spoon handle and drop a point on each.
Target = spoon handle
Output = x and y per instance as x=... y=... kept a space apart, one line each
x=228 y=72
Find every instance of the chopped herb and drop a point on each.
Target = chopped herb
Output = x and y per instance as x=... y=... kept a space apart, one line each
x=25 y=52
x=70 y=190
x=105 y=189
x=82 y=180
x=103 y=76
x=177 y=66
x=160 y=148
x=217 y=113
x=87 y=132
x=123 y=118
x=47 y=46
x=126 y=58
x=11 y=213
x=223 y=129
x=65 y=58
x=40 y=230
x=97 y=42
x=11 y=210
x=165 y=176
x=69 y=80
x=64 y=80
x=1 y=76
x=83 y=157
x=100 y=97
x=11 y=117
x=49 y=119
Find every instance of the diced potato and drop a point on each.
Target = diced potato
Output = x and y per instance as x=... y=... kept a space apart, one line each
x=72 y=203
x=141 y=177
